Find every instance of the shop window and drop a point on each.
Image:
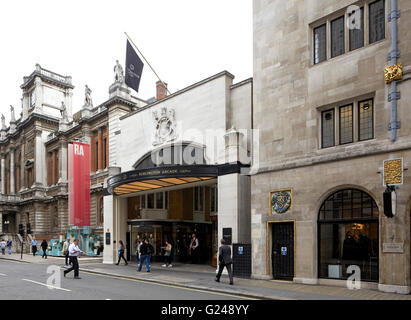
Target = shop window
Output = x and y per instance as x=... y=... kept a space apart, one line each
x=198 y=198
x=150 y=201
x=348 y=235
x=377 y=21
x=214 y=199
x=159 y=200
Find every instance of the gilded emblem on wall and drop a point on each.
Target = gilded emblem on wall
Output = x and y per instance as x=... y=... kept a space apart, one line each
x=393 y=172
x=393 y=73
x=165 y=126
x=280 y=201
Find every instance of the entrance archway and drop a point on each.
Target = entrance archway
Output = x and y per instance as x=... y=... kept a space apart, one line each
x=348 y=235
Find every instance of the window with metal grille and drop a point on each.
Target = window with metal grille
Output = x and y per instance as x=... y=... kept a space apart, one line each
x=356 y=29
x=337 y=37
x=320 y=44
x=346 y=124
x=377 y=21
x=366 y=120
x=327 y=128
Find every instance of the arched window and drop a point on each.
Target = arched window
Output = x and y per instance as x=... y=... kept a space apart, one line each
x=348 y=235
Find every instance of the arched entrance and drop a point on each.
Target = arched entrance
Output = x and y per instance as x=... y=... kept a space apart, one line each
x=348 y=235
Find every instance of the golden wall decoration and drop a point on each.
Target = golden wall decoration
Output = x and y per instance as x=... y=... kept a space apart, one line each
x=393 y=172
x=393 y=73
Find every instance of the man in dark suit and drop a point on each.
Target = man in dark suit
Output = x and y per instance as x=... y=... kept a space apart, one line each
x=224 y=259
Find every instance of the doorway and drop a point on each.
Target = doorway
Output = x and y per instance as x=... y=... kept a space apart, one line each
x=282 y=252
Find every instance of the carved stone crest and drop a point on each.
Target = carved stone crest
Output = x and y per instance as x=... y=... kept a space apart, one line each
x=165 y=126
x=280 y=201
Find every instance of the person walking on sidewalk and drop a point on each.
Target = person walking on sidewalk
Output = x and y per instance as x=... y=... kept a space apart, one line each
x=146 y=250
x=224 y=258
x=167 y=254
x=74 y=252
x=66 y=246
x=44 y=246
x=3 y=247
x=34 y=246
x=194 y=249
x=121 y=250
x=9 y=243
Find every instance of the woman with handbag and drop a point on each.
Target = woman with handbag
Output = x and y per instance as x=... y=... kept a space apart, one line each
x=121 y=250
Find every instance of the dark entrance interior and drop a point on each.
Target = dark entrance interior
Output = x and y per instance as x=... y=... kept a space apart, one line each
x=283 y=250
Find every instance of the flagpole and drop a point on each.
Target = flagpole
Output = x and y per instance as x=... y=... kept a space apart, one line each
x=134 y=45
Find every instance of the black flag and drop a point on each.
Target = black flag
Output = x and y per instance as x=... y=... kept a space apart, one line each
x=134 y=68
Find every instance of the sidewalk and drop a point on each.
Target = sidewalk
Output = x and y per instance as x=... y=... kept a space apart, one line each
x=202 y=277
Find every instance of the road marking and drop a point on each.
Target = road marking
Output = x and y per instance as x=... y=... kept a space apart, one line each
x=2 y=274
x=46 y=285
x=173 y=286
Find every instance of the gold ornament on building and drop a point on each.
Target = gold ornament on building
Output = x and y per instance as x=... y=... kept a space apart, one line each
x=393 y=170
x=393 y=73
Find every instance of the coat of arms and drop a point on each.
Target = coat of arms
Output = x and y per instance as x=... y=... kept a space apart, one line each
x=165 y=126
x=280 y=201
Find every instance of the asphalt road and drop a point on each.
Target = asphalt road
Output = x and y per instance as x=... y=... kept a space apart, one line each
x=41 y=282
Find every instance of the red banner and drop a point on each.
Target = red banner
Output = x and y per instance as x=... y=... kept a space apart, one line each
x=79 y=183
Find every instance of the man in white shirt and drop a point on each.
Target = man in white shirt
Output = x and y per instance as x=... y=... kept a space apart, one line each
x=74 y=252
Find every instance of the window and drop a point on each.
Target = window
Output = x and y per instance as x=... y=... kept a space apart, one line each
x=150 y=201
x=337 y=37
x=346 y=124
x=377 y=21
x=366 y=120
x=348 y=235
x=356 y=29
x=159 y=200
x=97 y=157
x=214 y=199
x=348 y=130
x=320 y=44
x=198 y=198
x=105 y=153
x=327 y=123
x=143 y=201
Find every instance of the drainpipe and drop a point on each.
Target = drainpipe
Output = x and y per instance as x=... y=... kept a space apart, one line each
x=394 y=54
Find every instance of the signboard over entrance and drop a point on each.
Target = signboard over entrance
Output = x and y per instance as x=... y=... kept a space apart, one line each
x=393 y=172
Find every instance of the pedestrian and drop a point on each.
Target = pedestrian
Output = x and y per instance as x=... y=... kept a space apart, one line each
x=140 y=243
x=167 y=254
x=121 y=252
x=9 y=244
x=44 y=246
x=66 y=246
x=146 y=250
x=224 y=258
x=34 y=246
x=74 y=252
x=194 y=248
x=3 y=247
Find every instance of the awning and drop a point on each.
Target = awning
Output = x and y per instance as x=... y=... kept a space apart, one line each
x=157 y=178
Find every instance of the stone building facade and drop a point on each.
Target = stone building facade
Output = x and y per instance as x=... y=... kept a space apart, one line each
x=34 y=163
x=325 y=116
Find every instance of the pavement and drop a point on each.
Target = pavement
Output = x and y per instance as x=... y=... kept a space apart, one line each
x=201 y=277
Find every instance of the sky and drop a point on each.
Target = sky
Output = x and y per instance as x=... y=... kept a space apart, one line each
x=185 y=41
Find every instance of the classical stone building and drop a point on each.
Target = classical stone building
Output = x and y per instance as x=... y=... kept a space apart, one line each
x=34 y=160
x=328 y=118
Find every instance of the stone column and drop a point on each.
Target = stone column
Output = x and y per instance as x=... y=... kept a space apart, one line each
x=63 y=162
x=12 y=181
x=3 y=174
x=22 y=171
